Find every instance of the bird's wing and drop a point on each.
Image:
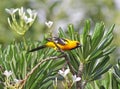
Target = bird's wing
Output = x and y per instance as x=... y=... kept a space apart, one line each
x=58 y=40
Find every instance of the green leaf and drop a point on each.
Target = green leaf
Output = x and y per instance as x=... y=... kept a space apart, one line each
x=96 y=85
x=117 y=71
x=74 y=60
x=114 y=83
x=103 y=62
x=95 y=55
x=62 y=33
x=71 y=31
x=85 y=38
x=57 y=64
x=108 y=50
x=100 y=72
x=97 y=35
x=104 y=42
x=111 y=29
x=88 y=69
x=109 y=40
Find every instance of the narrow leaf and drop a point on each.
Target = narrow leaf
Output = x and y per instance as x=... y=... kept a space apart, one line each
x=97 y=35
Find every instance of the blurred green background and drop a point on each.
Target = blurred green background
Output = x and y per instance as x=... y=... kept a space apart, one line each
x=62 y=13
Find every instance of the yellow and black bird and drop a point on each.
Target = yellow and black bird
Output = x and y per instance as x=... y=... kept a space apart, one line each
x=61 y=43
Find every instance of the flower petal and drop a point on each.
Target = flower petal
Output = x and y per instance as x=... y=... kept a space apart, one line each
x=78 y=79
x=28 y=20
x=66 y=72
x=60 y=72
x=11 y=11
x=7 y=73
x=75 y=78
x=49 y=24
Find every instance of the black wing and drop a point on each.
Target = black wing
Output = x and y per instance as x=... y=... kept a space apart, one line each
x=57 y=40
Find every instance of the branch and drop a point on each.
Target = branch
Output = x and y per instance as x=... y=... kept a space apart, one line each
x=80 y=84
x=69 y=64
x=23 y=82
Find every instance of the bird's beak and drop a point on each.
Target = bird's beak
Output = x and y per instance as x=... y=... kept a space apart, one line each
x=79 y=45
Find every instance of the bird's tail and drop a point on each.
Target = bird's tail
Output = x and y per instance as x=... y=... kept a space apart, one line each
x=38 y=48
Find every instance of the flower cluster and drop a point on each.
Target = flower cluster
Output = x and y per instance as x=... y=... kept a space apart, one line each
x=67 y=83
x=7 y=73
x=21 y=20
x=8 y=83
x=65 y=72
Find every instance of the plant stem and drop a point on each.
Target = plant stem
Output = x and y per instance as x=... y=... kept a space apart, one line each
x=69 y=64
x=80 y=84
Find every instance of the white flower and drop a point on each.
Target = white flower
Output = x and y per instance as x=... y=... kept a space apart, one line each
x=21 y=12
x=17 y=81
x=32 y=16
x=49 y=24
x=7 y=73
x=11 y=11
x=64 y=73
x=75 y=78
x=28 y=20
x=32 y=13
x=25 y=19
